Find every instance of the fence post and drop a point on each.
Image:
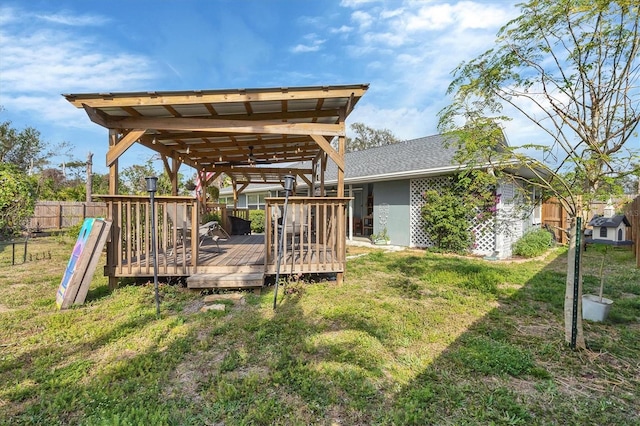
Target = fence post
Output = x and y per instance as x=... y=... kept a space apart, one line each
x=60 y=213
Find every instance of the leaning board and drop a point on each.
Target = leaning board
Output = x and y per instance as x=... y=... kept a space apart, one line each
x=82 y=264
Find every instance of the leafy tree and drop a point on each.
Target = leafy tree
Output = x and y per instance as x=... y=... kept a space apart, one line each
x=17 y=199
x=100 y=183
x=571 y=68
x=23 y=148
x=132 y=180
x=367 y=137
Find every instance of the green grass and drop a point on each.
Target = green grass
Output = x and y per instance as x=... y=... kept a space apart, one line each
x=409 y=338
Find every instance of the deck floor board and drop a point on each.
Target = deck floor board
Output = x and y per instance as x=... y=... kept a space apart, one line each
x=238 y=253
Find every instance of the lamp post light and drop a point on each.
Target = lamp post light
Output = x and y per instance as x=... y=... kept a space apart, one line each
x=288 y=189
x=152 y=187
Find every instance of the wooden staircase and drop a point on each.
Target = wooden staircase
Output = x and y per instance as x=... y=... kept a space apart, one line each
x=226 y=280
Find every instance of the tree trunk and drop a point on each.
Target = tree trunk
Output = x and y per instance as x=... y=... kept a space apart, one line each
x=568 y=297
x=89 y=182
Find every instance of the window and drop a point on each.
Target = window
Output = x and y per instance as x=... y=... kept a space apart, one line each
x=256 y=201
x=603 y=232
x=228 y=201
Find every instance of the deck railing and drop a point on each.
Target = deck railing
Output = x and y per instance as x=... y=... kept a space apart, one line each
x=313 y=234
x=129 y=250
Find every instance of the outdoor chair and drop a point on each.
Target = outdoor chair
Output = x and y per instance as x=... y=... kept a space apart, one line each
x=295 y=226
x=183 y=227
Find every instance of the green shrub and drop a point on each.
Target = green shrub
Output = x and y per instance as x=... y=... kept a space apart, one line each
x=257 y=221
x=446 y=220
x=209 y=217
x=533 y=243
x=74 y=231
x=17 y=200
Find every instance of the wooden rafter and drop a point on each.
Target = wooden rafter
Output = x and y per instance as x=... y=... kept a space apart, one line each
x=213 y=130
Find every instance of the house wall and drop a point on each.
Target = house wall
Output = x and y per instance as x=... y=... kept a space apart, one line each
x=391 y=201
x=612 y=233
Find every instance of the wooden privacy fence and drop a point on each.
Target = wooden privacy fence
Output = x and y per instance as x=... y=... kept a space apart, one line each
x=63 y=214
x=632 y=212
x=555 y=216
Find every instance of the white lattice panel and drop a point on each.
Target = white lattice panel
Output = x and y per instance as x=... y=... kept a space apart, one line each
x=484 y=235
x=485 y=241
x=418 y=187
x=510 y=218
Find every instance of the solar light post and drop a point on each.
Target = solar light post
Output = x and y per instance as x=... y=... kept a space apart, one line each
x=288 y=189
x=152 y=187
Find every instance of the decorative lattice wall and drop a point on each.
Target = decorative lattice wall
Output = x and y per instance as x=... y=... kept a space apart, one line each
x=485 y=239
x=419 y=237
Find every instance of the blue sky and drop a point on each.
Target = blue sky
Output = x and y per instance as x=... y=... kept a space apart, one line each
x=405 y=50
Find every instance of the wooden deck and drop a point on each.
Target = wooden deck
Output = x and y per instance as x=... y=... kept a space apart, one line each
x=314 y=238
x=239 y=259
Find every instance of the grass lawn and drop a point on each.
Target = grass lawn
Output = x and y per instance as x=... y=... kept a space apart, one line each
x=409 y=338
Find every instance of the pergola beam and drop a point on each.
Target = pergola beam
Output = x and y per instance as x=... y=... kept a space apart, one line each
x=215 y=96
x=232 y=126
x=123 y=144
x=326 y=147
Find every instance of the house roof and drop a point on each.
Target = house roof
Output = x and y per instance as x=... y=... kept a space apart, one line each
x=426 y=156
x=412 y=158
x=609 y=222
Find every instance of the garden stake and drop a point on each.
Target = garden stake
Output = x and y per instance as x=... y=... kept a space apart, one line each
x=576 y=282
x=152 y=187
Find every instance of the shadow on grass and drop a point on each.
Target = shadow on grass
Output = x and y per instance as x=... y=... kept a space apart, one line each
x=408 y=339
x=511 y=366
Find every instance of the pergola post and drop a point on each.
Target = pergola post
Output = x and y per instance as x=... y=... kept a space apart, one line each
x=175 y=166
x=172 y=172
x=113 y=190
x=113 y=168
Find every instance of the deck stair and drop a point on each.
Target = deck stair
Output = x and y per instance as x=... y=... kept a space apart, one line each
x=226 y=280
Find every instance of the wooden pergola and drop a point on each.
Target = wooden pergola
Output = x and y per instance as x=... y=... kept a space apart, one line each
x=243 y=133
x=251 y=135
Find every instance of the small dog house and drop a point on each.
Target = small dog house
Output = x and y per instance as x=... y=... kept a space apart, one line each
x=611 y=229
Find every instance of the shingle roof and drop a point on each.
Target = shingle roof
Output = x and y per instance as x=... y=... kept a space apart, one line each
x=609 y=222
x=416 y=157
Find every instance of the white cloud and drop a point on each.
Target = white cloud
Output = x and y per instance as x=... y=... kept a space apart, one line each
x=66 y=18
x=362 y=19
x=405 y=123
x=356 y=3
x=41 y=59
x=344 y=29
x=305 y=48
x=7 y=14
x=314 y=44
x=386 y=13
